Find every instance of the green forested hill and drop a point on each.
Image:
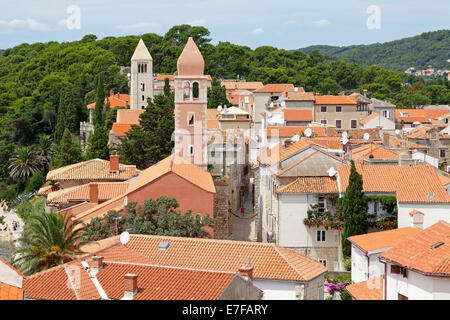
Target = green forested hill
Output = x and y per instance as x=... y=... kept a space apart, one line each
x=430 y=48
x=44 y=87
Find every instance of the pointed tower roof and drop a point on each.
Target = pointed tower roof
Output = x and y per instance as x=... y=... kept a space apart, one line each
x=190 y=62
x=141 y=52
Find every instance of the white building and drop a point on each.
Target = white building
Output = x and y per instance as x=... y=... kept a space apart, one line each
x=376 y=120
x=415 y=269
x=366 y=249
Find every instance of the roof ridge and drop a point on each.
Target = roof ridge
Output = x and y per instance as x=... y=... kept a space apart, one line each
x=288 y=262
x=168 y=267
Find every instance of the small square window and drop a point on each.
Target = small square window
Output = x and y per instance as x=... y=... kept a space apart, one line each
x=338 y=124
x=442 y=153
x=321 y=235
x=338 y=109
x=323 y=121
x=353 y=124
x=323 y=109
x=191 y=118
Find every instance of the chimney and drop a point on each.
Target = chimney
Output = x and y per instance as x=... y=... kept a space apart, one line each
x=97 y=262
x=386 y=139
x=365 y=92
x=114 y=163
x=130 y=285
x=93 y=192
x=317 y=94
x=246 y=272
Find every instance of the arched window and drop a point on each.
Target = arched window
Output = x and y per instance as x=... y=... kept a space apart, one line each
x=195 y=90
x=186 y=90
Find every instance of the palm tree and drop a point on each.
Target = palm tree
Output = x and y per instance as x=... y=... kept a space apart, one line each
x=50 y=239
x=44 y=151
x=23 y=163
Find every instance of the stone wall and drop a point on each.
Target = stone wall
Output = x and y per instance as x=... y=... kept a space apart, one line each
x=222 y=228
x=86 y=129
x=312 y=290
x=330 y=254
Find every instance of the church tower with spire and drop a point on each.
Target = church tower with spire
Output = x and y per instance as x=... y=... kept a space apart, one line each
x=141 y=76
x=190 y=106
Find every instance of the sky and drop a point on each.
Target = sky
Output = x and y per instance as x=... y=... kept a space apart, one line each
x=288 y=24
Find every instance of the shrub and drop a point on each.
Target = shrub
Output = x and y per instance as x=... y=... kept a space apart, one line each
x=36 y=181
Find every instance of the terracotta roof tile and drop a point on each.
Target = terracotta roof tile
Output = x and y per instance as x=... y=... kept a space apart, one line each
x=344 y=100
x=106 y=191
x=417 y=183
x=276 y=88
x=129 y=116
x=371 y=289
x=421 y=113
x=373 y=115
x=289 y=131
x=300 y=96
x=164 y=283
x=428 y=251
x=268 y=260
x=43 y=191
x=311 y=185
x=95 y=169
x=116 y=100
x=326 y=142
x=382 y=239
x=241 y=85
x=278 y=153
x=162 y=77
x=120 y=129
x=297 y=115
x=377 y=151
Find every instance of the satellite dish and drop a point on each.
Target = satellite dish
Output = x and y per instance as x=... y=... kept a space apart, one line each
x=397 y=132
x=295 y=138
x=344 y=141
x=308 y=132
x=366 y=136
x=219 y=108
x=124 y=237
x=345 y=134
x=225 y=108
x=331 y=172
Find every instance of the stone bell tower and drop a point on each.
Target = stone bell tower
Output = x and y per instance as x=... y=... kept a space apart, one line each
x=141 y=76
x=190 y=106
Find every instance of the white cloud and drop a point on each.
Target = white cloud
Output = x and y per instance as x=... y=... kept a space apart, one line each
x=141 y=25
x=198 y=22
x=321 y=23
x=22 y=25
x=257 y=31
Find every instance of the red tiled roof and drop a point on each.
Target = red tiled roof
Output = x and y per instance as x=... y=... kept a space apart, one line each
x=276 y=88
x=377 y=151
x=241 y=85
x=106 y=191
x=43 y=191
x=373 y=115
x=300 y=96
x=311 y=185
x=423 y=113
x=116 y=100
x=95 y=169
x=278 y=153
x=120 y=129
x=371 y=289
x=8 y=292
x=414 y=119
x=129 y=116
x=417 y=183
x=339 y=100
x=382 y=239
x=297 y=115
x=326 y=142
x=289 y=131
x=164 y=283
x=162 y=77
x=268 y=260
x=428 y=251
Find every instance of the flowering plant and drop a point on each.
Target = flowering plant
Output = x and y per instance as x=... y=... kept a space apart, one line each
x=336 y=287
x=325 y=219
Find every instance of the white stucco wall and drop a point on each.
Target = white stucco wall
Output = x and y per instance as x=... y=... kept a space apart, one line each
x=276 y=290
x=9 y=276
x=433 y=212
x=379 y=121
x=416 y=286
x=359 y=265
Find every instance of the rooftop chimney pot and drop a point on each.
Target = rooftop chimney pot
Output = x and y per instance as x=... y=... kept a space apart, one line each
x=97 y=262
x=131 y=283
x=247 y=272
x=93 y=193
x=114 y=163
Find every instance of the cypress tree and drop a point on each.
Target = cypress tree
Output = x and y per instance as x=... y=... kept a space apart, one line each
x=69 y=151
x=98 y=143
x=354 y=210
x=166 y=87
x=98 y=113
